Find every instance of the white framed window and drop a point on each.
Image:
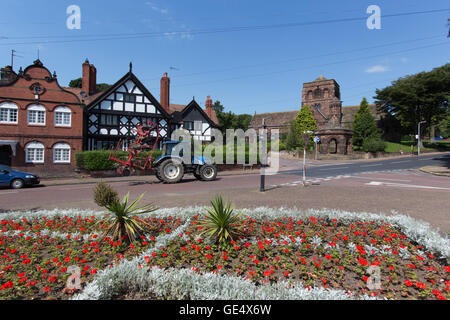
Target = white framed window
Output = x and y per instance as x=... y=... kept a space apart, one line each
x=36 y=115
x=34 y=152
x=61 y=153
x=63 y=117
x=8 y=112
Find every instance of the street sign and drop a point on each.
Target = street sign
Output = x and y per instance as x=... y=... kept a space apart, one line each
x=316 y=139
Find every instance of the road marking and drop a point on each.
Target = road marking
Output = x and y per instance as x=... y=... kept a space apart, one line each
x=372 y=165
x=390 y=184
x=8 y=192
x=367 y=178
x=333 y=168
x=401 y=161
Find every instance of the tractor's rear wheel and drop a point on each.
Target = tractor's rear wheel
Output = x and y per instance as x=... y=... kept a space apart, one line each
x=157 y=174
x=171 y=171
x=208 y=172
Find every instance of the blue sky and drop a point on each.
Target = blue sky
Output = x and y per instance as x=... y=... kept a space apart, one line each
x=249 y=70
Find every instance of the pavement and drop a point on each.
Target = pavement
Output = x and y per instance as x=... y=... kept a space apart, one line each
x=378 y=186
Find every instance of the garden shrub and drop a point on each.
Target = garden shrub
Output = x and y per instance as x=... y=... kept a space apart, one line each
x=105 y=195
x=373 y=144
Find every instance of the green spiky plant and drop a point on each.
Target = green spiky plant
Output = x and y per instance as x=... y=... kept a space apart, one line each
x=220 y=222
x=124 y=220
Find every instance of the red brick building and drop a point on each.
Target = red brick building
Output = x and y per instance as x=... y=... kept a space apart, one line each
x=41 y=123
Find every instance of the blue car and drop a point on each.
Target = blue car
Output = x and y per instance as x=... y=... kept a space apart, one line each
x=16 y=179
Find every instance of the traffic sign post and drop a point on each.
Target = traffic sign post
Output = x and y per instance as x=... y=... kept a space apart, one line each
x=316 y=141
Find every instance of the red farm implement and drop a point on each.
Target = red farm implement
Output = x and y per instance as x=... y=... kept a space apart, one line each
x=140 y=150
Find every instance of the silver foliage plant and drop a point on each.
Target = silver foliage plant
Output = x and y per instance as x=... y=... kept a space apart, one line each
x=133 y=275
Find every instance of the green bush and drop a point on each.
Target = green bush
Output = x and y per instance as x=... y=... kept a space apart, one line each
x=97 y=160
x=105 y=195
x=79 y=160
x=373 y=144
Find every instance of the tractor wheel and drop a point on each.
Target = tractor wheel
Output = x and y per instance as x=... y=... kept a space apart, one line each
x=208 y=172
x=157 y=174
x=171 y=171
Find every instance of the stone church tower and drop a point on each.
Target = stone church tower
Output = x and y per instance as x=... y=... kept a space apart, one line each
x=323 y=97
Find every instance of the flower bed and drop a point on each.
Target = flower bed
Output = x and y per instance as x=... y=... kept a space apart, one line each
x=37 y=252
x=282 y=254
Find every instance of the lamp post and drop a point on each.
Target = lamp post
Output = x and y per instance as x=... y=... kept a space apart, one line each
x=263 y=176
x=418 y=137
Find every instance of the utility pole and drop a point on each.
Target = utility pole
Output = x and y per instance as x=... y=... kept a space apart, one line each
x=418 y=137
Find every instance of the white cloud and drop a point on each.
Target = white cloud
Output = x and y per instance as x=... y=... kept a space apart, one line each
x=156 y=8
x=377 y=68
x=404 y=60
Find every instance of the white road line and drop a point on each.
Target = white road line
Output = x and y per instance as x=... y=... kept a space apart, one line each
x=372 y=165
x=333 y=168
x=368 y=178
x=401 y=161
x=8 y=192
x=390 y=184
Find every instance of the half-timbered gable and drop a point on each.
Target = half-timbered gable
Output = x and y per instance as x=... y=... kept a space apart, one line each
x=197 y=122
x=113 y=116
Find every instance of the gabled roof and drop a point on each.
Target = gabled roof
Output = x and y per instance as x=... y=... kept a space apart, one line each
x=178 y=109
x=128 y=76
x=194 y=104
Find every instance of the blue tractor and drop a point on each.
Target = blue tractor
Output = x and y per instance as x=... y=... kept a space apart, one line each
x=170 y=167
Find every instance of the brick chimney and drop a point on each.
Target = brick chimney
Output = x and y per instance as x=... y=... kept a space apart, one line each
x=89 y=79
x=7 y=74
x=165 y=92
x=208 y=105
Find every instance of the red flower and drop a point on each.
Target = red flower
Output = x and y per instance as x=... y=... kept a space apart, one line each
x=328 y=257
x=362 y=261
x=6 y=285
x=408 y=283
x=93 y=271
x=26 y=261
x=421 y=285
x=411 y=265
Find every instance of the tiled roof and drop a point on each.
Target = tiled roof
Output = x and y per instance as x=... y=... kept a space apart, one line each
x=274 y=118
x=87 y=99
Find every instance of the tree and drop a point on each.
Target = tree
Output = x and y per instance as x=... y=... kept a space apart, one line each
x=364 y=125
x=230 y=120
x=444 y=127
x=217 y=107
x=421 y=97
x=305 y=122
x=293 y=139
x=77 y=83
